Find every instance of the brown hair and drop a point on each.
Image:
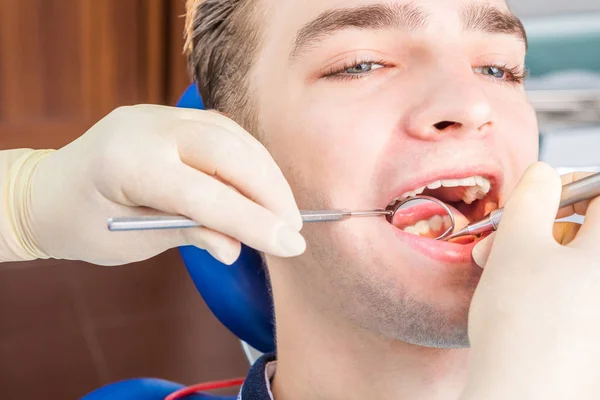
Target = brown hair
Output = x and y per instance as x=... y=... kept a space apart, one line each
x=221 y=45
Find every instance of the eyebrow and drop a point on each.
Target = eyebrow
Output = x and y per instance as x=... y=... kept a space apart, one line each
x=376 y=16
x=406 y=17
x=488 y=19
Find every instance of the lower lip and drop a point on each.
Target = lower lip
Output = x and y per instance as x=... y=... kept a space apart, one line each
x=438 y=250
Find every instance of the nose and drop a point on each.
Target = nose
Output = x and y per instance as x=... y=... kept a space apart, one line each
x=455 y=107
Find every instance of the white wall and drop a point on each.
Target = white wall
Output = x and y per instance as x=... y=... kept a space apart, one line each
x=564 y=148
x=577 y=148
x=532 y=8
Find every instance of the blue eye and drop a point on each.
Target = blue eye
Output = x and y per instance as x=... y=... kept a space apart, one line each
x=514 y=75
x=362 y=68
x=354 y=70
x=495 y=72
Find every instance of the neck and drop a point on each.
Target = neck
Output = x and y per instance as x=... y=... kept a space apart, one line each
x=321 y=358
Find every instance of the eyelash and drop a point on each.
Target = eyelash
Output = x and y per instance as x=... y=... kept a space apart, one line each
x=516 y=75
x=336 y=73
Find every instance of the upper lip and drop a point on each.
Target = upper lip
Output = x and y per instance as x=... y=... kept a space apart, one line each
x=494 y=174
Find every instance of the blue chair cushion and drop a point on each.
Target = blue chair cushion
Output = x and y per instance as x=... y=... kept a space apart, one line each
x=145 y=389
x=191 y=98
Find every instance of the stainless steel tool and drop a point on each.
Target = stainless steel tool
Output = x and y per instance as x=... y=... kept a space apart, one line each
x=179 y=222
x=583 y=189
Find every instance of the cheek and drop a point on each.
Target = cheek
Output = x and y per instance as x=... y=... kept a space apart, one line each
x=519 y=137
x=330 y=149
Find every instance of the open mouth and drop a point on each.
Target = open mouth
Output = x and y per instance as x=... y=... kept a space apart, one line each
x=469 y=198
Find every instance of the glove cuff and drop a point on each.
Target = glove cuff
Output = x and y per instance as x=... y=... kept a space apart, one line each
x=19 y=243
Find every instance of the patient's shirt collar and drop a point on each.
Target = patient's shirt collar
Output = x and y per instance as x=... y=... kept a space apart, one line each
x=257 y=385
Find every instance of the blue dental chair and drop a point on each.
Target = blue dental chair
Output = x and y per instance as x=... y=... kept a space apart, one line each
x=238 y=295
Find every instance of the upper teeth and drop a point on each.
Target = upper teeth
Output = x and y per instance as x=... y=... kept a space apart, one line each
x=477 y=188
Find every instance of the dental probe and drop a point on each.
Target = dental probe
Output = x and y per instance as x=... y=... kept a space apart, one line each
x=177 y=222
x=574 y=192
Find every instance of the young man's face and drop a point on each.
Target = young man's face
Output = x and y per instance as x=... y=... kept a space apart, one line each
x=361 y=101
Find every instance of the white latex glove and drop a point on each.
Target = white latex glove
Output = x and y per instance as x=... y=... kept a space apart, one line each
x=563 y=232
x=138 y=160
x=534 y=321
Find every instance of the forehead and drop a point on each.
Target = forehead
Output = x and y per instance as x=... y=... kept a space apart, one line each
x=308 y=9
x=287 y=18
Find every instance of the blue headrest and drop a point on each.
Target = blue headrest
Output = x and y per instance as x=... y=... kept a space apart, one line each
x=238 y=295
x=144 y=389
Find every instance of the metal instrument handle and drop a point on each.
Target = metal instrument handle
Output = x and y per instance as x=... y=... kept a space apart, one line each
x=583 y=189
x=574 y=192
x=150 y=223
x=324 y=215
x=179 y=222
x=496 y=216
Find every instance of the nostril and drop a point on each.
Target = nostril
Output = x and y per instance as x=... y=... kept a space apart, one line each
x=444 y=124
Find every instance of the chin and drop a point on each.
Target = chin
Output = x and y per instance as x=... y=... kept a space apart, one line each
x=428 y=299
x=371 y=273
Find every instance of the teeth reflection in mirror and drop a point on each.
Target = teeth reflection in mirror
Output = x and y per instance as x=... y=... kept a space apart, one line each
x=412 y=230
x=435 y=224
x=422 y=227
x=447 y=221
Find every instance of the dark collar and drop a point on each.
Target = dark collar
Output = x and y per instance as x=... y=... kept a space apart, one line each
x=255 y=386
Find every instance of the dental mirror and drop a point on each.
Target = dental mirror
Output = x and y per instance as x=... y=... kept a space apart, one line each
x=421 y=215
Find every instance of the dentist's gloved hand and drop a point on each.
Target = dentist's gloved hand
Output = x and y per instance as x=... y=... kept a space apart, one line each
x=534 y=321
x=143 y=160
x=564 y=232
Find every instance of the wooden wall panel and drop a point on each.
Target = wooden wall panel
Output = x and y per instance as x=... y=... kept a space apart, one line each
x=67 y=328
x=177 y=74
x=73 y=61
